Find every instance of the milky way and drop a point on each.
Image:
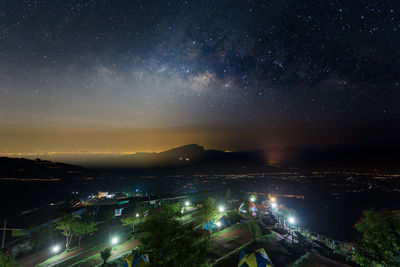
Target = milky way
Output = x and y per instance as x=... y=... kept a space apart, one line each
x=256 y=72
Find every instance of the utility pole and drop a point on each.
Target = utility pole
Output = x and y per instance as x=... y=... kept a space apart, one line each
x=4 y=234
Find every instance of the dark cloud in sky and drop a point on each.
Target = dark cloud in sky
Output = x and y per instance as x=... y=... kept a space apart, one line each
x=272 y=70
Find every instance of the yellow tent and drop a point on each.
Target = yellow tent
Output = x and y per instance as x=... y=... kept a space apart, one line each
x=257 y=258
x=136 y=259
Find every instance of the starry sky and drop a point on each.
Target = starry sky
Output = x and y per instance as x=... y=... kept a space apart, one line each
x=126 y=76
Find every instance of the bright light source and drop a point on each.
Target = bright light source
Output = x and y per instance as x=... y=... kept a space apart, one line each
x=114 y=240
x=274 y=205
x=252 y=199
x=218 y=223
x=221 y=208
x=273 y=199
x=291 y=220
x=137 y=215
x=187 y=203
x=55 y=248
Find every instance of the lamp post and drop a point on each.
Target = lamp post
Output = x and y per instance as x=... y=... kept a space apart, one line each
x=114 y=240
x=218 y=224
x=221 y=208
x=55 y=249
x=291 y=221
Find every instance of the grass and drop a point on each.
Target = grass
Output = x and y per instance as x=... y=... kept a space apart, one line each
x=228 y=229
x=302 y=261
x=231 y=257
x=231 y=239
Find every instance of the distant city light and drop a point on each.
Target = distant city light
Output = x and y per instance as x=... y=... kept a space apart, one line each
x=114 y=240
x=221 y=208
x=274 y=205
x=218 y=223
x=187 y=203
x=291 y=220
x=55 y=249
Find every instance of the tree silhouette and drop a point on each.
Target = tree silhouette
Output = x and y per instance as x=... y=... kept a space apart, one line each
x=105 y=254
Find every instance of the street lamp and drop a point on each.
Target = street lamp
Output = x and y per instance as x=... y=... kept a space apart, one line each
x=55 y=249
x=221 y=208
x=187 y=203
x=114 y=240
x=274 y=205
x=218 y=224
x=291 y=221
x=137 y=215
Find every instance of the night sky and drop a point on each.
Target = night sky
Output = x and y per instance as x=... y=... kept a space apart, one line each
x=126 y=76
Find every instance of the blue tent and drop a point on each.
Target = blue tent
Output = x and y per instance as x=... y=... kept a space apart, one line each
x=256 y=258
x=210 y=225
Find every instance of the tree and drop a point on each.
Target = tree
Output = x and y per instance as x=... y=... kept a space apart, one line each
x=170 y=242
x=207 y=211
x=228 y=194
x=254 y=229
x=379 y=243
x=6 y=260
x=41 y=236
x=105 y=254
x=134 y=218
x=131 y=220
x=84 y=227
x=66 y=225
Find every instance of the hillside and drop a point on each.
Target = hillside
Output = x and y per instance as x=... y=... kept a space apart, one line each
x=21 y=168
x=188 y=157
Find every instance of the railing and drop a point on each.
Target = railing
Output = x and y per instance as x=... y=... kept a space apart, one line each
x=343 y=249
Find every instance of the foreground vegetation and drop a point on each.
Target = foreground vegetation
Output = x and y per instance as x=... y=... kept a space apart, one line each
x=173 y=235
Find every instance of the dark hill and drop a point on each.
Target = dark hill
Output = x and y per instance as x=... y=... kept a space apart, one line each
x=186 y=158
x=22 y=168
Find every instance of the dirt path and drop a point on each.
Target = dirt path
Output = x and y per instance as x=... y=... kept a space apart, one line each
x=228 y=241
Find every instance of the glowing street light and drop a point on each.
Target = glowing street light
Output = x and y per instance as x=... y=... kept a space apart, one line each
x=291 y=220
x=273 y=199
x=137 y=215
x=221 y=208
x=187 y=203
x=55 y=249
x=252 y=199
x=274 y=205
x=114 y=240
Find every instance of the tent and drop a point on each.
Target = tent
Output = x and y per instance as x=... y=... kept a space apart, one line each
x=136 y=259
x=253 y=209
x=209 y=225
x=256 y=258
